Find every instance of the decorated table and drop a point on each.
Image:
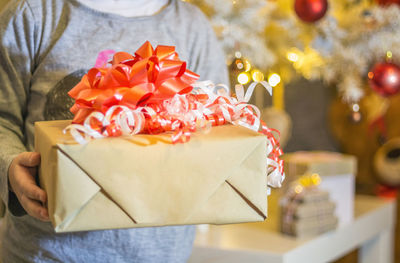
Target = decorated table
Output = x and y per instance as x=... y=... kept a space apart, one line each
x=372 y=231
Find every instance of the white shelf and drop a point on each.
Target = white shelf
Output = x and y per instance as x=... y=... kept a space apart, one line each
x=372 y=230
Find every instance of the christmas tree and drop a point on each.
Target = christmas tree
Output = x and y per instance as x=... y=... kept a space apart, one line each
x=336 y=41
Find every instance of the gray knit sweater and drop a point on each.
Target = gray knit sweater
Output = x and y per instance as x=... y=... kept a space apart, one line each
x=45 y=48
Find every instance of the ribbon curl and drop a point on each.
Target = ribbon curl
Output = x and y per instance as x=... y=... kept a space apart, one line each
x=153 y=92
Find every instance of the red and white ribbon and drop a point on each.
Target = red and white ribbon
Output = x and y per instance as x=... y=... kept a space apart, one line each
x=152 y=93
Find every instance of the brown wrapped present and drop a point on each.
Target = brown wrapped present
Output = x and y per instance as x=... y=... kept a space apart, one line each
x=144 y=180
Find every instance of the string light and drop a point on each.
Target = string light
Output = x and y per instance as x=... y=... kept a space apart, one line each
x=389 y=54
x=239 y=64
x=298 y=189
x=293 y=57
x=315 y=179
x=238 y=54
x=243 y=78
x=305 y=61
x=356 y=107
x=309 y=180
x=305 y=180
x=247 y=65
x=257 y=76
x=274 y=79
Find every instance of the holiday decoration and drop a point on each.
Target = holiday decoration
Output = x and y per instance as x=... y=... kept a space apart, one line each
x=385 y=78
x=350 y=43
x=375 y=106
x=339 y=49
x=387 y=163
x=153 y=92
x=310 y=10
x=240 y=70
x=356 y=115
x=239 y=65
x=388 y=2
x=306 y=210
x=378 y=126
x=333 y=172
x=240 y=27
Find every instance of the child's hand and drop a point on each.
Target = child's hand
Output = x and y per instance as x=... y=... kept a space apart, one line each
x=21 y=176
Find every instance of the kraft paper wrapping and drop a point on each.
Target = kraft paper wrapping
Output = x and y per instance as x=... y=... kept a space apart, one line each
x=144 y=180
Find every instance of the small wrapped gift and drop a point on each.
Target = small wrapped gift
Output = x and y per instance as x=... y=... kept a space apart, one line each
x=307 y=210
x=148 y=147
x=337 y=172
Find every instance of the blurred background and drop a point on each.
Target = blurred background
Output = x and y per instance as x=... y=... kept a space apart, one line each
x=335 y=69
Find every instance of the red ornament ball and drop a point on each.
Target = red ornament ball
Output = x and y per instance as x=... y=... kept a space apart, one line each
x=310 y=10
x=385 y=79
x=388 y=2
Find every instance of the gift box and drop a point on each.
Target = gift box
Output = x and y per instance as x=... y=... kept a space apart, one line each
x=150 y=146
x=307 y=211
x=337 y=176
x=217 y=177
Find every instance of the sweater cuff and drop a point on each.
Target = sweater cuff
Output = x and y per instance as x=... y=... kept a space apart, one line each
x=8 y=197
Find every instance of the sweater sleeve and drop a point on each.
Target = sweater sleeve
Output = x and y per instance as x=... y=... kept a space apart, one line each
x=16 y=64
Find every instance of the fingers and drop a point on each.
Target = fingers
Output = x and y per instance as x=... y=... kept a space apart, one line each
x=32 y=199
x=29 y=159
x=32 y=191
x=34 y=208
x=22 y=181
x=21 y=177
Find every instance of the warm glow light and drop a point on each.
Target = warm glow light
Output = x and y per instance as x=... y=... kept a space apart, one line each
x=239 y=64
x=389 y=54
x=274 y=79
x=308 y=180
x=315 y=179
x=356 y=107
x=370 y=75
x=238 y=54
x=257 y=76
x=305 y=180
x=298 y=189
x=293 y=57
x=243 y=78
x=392 y=77
x=247 y=65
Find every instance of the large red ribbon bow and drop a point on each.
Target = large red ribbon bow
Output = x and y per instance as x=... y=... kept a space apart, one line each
x=148 y=76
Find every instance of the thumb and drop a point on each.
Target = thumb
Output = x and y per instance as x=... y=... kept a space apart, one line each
x=29 y=159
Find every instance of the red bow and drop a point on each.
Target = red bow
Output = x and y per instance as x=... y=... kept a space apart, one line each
x=149 y=76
